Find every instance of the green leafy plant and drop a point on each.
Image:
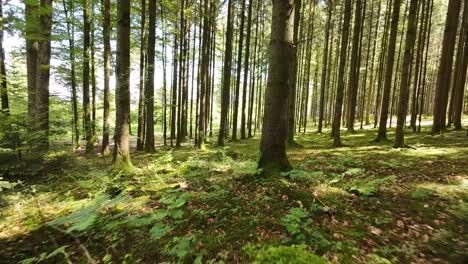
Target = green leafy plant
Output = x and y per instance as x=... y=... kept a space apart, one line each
x=287 y=254
x=369 y=187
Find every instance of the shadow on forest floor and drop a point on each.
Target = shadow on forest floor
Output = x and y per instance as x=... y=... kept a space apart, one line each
x=365 y=203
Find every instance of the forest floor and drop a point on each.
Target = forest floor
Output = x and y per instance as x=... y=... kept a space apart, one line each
x=364 y=203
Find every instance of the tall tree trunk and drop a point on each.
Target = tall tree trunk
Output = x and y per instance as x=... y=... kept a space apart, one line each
x=93 y=75
x=382 y=134
x=174 y=87
x=341 y=75
x=323 y=79
x=293 y=74
x=405 y=75
x=204 y=78
x=149 y=87
x=227 y=70
x=246 y=71
x=354 y=68
x=461 y=80
x=141 y=99
x=445 y=67
x=239 y=68
x=273 y=156
x=253 y=76
x=164 y=65
x=86 y=95
x=38 y=49
x=3 y=78
x=107 y=73
x=68 y=9
x=122 y=95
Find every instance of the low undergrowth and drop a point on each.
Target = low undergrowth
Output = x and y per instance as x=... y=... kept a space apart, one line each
x=363 y=203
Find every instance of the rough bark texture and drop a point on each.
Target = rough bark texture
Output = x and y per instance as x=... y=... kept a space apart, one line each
x=141 y=98
x=445 y=67
x=38 y=49
x=341 y=73
x=225 y=93
x=405 y=75
x=122 y=95
x=382 y=134
x=274 y=134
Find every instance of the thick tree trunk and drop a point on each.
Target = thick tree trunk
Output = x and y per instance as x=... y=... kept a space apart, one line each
x=461 y=80
x=382 y=134
x=38 y=50
x=405 y=75
x=273 y=144
x=445 y=67
x=107 y=73
x=227 y=70
x=341 y=75
x=122 y=95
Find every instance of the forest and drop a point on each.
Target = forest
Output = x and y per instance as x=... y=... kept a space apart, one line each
x=234 y=131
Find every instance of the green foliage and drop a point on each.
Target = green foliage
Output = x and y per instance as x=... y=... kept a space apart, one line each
x=423 y=193
x=5 y=185
x=368 y=187
x=287 y=254
x=86 y=216
x=181 y=247
x=44 y=257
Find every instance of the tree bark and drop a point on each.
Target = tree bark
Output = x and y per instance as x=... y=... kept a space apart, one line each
x=354 y=68
x=382 y=134
x=227 y=70
x=86 y=93
x=445 y=67
x=149 y=87
x=273 y=156
x=3 y=77
x=405 y=75
x=122 y=96
x=107 y=73
x=341 y=74
x=143 y=68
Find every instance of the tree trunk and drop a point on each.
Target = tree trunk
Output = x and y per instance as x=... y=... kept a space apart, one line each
x=3 y=80
x=445 y=67
x=273 y=143
x=107 y=73
x=323 y=80
x=149 y=87
x=405 y=75
x=341 y=74
x=225 y=93
x=461 y=80
x=382 y=134
x=142 y=92
x=38 y=50
x=246 y=71
x=122 y=95
x=68 y=9
x=238 y=76
x=354 y=68
x=86 y=95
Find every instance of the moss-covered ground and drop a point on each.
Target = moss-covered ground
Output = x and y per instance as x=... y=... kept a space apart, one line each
x=364 y=203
